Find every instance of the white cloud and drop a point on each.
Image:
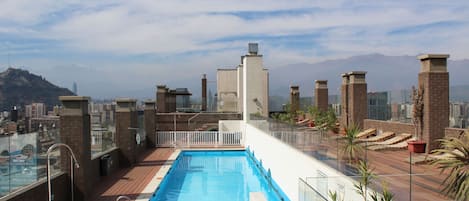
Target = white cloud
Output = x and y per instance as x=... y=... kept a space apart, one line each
x=190 y=37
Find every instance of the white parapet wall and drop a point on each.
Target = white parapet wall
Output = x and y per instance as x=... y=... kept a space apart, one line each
x=288 y=164
x=230 y=125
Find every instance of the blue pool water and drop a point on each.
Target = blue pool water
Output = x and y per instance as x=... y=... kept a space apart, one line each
x=216 y=175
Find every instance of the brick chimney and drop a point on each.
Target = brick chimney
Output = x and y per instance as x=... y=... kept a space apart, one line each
x=75 y=132
x=161 y=92
x=321 y=95
x=204 y=92
x=294 y=98
x=149 y=114
x=126 y=121
x=358 y=103
x=434 y=79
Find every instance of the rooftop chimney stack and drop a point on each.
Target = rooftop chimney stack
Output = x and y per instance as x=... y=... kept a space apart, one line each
x=294 y=98
x=321 y=95
x=357 y=98
x=434 y=79
x=204 y=92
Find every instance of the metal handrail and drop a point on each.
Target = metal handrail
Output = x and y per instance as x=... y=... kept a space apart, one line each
x=73 y=161
x=123 y=197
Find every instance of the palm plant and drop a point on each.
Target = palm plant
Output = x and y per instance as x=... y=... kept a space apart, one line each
x=456 y=184
x=351 y=148
x=366 y=175
x=334 y=196
x=366 y=178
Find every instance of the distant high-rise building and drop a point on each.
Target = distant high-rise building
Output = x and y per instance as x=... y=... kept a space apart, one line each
x=14 y=114
x=35 y=110
x=378 y=107
x=75 y=88
x=210 y=100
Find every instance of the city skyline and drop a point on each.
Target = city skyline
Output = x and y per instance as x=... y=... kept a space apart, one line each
x=110 y=47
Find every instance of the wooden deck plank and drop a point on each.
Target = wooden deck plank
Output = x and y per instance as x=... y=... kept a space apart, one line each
x=131 y=181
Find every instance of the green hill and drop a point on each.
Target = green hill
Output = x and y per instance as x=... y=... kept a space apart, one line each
x=20 y=87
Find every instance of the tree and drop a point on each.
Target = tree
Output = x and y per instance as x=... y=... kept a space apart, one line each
x=323 y=120
x=456 y=184
x=288 y=117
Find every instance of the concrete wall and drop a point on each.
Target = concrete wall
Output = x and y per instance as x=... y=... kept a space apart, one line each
x=165 y=121
x=230 y=125
x=38 y=191
x=256 y=96
x=95 y=166
x=392 y=126
x=239 y=71
x=454 y=132
x=227 y=90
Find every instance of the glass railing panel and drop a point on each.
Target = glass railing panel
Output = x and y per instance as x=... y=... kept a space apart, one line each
x=402 y=187
x=308 y=193
x=23 y=159
x=332 y=149
x=102 y=135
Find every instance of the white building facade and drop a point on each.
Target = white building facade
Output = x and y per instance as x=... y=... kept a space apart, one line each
x=230 y=86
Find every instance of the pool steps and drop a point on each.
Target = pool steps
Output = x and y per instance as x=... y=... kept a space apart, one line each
x=257 y=196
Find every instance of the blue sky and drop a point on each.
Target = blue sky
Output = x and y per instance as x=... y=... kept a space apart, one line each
x=125 y=48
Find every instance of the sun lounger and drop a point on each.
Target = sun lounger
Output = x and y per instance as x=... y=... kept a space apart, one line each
x=398 y=138
x=367 y=133
x=396 y=146
x=443 y=156
x=421 y=159
x=379 y=138
x=304 y=122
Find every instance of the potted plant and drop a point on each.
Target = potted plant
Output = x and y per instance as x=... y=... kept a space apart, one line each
x=417 y=145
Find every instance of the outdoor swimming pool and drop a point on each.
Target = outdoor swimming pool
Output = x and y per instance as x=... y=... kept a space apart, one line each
x=216 y=175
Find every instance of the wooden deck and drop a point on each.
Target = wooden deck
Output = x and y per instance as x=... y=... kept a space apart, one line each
x=392 y=167
x=131 y=181
x=426 y=179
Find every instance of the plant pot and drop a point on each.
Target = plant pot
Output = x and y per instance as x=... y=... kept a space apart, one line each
x=335 y=130
x=416 y=146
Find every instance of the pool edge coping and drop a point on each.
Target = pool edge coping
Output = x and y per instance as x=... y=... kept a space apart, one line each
x=155 y=182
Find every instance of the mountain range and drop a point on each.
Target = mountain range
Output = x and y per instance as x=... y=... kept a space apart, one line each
x=384 y=73
x=19 y=87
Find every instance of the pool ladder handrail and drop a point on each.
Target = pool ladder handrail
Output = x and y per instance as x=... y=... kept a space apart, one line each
x=123 y=197
x=73 y=161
